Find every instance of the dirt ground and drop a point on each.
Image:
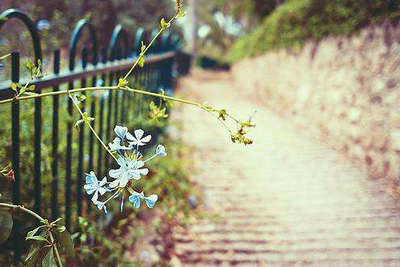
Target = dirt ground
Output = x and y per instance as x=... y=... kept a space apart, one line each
x=286 y=200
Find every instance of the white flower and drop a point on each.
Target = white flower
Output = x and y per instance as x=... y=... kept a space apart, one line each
x=160 y=151
x=129 y=169
x=137 y=140
x=136 y=197
x=94 y=186
x=116 y=145
x=121 y=131
x=101 y=205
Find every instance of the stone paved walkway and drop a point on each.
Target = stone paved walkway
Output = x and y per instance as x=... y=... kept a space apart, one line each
x=284 y=201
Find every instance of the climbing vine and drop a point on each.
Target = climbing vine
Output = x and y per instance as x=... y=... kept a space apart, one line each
x=51 y=239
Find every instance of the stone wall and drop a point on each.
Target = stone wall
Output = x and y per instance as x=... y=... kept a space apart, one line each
x=345 y=90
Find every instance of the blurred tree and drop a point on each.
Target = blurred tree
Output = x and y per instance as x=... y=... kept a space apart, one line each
x=105 y=14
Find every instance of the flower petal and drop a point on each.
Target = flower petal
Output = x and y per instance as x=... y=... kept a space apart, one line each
x=160 y=150
x=139 y=164
x=138 y=134
x=120 y=131
x=151 y=200
x=146 y=139
x=91 y=178
x=114 y=184
x=103 y=181
x=135 y=199
x=116 y=173
x=144 y=171
x=130 y=137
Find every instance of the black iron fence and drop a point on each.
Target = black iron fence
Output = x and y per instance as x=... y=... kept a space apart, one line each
x=98 y=65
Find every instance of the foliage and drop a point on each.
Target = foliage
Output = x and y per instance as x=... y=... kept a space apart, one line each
x=297 y=21
x=61 y=15
x=51 y=238
x=105 y=244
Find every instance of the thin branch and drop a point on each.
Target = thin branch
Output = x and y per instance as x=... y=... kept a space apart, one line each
x=90 y=126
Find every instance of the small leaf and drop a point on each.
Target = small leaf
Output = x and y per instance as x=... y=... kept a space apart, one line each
x=142 y=48
x=6 y=224
x=180 y=14
x=164 y=25
x=141 y=61
x=122 y=82
x=33 y=232
x=57 y=221
x=29 y=65
x=79 y=122
x=37 y=238
x=36 y=254
x=64 y=242
x=32 y=252
x=31 y=88
x=14 y=87
x=81 y=97
x=49 y=260
x=75 y=235
x=61 y=228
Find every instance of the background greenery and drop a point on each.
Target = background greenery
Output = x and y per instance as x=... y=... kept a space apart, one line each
x=273 y=24
x=296 y=21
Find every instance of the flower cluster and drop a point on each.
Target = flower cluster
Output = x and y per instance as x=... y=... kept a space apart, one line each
x=126 y=150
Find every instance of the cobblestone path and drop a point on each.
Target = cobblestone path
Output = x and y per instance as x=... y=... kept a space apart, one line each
x=287 y=200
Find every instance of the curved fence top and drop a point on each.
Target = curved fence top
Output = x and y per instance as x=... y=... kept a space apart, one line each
x=15 y=13
x=76 y=34
x=118 y=33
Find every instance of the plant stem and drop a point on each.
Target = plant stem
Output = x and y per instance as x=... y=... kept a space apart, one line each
x=147 y=48
x=22 y=208
x=90 y=126
x=42 y=220
x=59 y=262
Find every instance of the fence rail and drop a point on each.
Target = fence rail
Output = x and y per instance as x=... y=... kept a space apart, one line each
x=106 y=65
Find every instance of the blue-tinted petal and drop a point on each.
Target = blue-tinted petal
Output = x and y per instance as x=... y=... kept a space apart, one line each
x=91 y=178
x=135 y=199
x=120 y=131
x=160 y=150
x=151 y=200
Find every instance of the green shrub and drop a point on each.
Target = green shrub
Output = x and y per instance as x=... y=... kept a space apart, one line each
x=296 y=21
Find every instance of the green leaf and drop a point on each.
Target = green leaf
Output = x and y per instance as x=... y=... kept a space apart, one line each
x=61 y=228
x=32 y=252
x=33 y=232
x=14 y=87
x=37 y=253
x=29 y=65
x=37 y=238
x=75 y=235
x=49 y=260
x=142 y=48
x=81 y=97
x=31 y=88
x=180 y=14
x=164 y=25
x=6 y=224
x=141 y=61
x=64 y=242
x=122 y=82
x=79 y=122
